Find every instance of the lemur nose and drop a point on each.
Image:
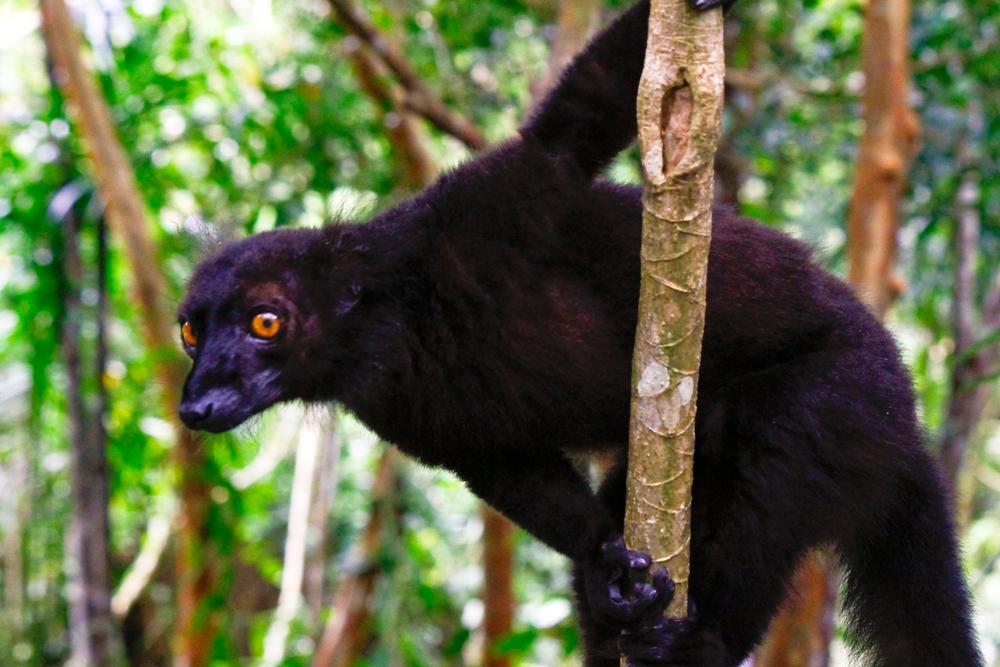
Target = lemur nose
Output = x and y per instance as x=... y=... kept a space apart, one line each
x=194 y=413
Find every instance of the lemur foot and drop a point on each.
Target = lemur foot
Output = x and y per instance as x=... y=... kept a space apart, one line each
x=614 y=592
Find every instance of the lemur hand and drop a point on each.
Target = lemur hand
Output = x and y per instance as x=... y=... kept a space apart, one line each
x=614 y=593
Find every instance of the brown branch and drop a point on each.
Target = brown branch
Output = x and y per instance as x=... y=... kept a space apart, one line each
x=800 y=634
x=125 y=213
x=887 y=146
x=498 y=584
x=419 y=98
x=409 y=143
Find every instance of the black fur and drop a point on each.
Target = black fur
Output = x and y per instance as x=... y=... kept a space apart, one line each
x=486 y=326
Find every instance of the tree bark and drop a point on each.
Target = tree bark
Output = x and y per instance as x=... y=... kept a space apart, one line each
x=800 y=635
x=196 y=562
x=679 y=118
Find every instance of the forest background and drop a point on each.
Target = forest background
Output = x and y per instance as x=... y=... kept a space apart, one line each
x=298 y=540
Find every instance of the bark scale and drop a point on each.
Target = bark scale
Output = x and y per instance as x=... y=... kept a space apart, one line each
x=679 y=117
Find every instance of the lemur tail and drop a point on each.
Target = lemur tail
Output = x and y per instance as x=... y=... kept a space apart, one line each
x=905 y=595
x=590 y=115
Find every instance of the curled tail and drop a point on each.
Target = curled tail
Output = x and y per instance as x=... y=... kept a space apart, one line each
x=905 y=594
x=590 y=115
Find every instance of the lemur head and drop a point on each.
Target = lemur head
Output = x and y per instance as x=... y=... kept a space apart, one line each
x=255 y=323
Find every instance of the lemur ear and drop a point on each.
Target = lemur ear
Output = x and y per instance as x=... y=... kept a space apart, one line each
x=348 y=300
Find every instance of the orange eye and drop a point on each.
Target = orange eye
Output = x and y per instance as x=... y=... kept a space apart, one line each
x=265 y=325
x=187 y=335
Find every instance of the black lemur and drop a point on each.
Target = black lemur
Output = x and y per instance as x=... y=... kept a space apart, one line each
x=486 y=326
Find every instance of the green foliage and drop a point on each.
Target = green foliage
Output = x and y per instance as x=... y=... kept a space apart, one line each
x=243 y=116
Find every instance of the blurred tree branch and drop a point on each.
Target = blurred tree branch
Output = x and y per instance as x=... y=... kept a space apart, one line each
x=418 y=97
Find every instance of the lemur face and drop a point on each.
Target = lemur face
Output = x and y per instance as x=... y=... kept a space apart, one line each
x=239 y=342
x=244 y=323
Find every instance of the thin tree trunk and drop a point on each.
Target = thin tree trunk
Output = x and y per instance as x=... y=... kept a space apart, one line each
x=314 y=587
x=887 y=146
x=800 y=636
x=498 y=584
x=348 y=629
x=197 y=559
x=91 y=628
x=974 y=360
x=679 y=118
x=143 y=568
x=293 y=566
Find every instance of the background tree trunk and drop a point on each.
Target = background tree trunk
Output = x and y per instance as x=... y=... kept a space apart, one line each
x=976 y=335
x=679 y=117
x=307 y=455
x=196 y=561
x=800 y=635
x=498 y=584
x=348 y=629
x=93 y=638
x=314 y=587
x=887 y=146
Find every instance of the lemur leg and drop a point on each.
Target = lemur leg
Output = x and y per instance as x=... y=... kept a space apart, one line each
x=541 y=491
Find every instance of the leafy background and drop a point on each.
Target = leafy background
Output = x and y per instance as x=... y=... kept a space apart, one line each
x=244 y=115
